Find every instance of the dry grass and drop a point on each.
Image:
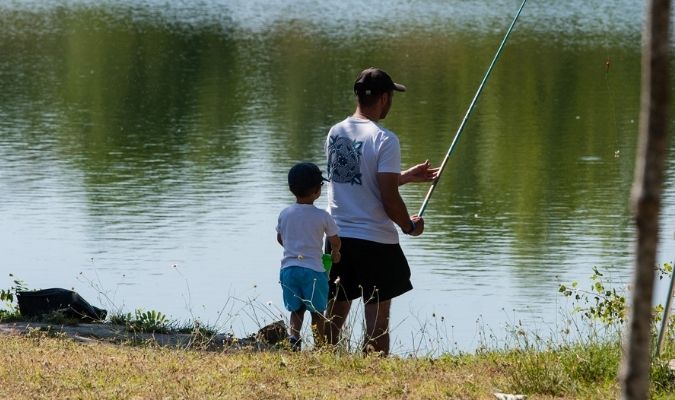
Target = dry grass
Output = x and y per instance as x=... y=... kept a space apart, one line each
x=42 y=367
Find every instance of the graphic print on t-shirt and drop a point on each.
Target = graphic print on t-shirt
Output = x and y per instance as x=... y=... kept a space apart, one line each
x=343 y=160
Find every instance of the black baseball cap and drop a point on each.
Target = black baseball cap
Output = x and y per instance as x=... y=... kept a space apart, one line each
x=303 y=177
x=375 y=81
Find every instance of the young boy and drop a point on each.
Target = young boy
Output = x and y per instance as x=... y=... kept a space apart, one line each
x=300 y=230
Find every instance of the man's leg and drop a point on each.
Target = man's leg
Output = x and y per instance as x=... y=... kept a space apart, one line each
x=318 y=329
x=377 y=327
x=336 y=315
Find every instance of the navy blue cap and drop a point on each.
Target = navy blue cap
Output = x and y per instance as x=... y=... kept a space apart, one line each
x=304 y=176
x=375 y=81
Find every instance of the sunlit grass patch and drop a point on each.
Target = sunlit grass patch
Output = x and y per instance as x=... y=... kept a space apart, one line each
x=580 y=361
x=105 y=371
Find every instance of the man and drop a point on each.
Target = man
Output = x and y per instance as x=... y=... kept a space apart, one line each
x=364 y=170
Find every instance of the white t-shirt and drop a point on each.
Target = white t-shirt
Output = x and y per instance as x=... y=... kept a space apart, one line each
x=357 y=149
x=302 y=227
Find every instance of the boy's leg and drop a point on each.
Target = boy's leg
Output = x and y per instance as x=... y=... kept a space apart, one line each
x=296 y=322
x=377 y=327
x=291 y=287
x=295 y=327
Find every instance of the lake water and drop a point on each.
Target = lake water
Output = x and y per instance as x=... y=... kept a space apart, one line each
x=144 y=147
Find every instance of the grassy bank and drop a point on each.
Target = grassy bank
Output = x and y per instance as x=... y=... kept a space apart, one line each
x=42 y=366
x=581 y=362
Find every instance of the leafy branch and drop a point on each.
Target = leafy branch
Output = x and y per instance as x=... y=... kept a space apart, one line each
x=604 y=304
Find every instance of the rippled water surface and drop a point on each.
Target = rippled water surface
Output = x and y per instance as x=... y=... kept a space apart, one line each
x=144 y=147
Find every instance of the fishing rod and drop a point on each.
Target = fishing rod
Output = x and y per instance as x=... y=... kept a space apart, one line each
x=468 y=112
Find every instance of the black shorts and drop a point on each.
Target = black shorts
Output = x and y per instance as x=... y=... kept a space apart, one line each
x=374 y=271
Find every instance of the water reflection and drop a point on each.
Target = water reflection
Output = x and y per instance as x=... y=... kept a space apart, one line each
x=573 y=20
x=146 y=145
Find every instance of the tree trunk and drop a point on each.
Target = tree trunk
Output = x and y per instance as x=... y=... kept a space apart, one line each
x=646 y=195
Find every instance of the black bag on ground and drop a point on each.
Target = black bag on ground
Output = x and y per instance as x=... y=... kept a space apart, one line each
x=38 y=302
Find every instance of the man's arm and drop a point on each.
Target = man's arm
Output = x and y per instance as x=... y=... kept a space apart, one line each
x=394 y=206
x=281 y=242
x=418 y=173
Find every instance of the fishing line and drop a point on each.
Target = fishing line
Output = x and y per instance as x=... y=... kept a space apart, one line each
x=612 y=101
x=468 y=112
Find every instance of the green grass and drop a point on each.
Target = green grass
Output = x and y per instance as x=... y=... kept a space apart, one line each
x=580 y=363
x=46 y=366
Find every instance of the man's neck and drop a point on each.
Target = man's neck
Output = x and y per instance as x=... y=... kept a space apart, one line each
x=369 y=114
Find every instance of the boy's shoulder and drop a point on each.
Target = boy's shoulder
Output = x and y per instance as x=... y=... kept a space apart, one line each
x=318 y=210
x=288 y=207
x=307 y=210
x=302 y=208
x=284 y=212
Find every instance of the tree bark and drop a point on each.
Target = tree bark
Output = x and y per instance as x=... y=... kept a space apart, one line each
x=646 y=195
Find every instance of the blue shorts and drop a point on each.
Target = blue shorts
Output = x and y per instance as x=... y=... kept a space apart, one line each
x=304 y=288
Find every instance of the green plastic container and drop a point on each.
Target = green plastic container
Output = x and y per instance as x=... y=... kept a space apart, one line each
x=327 y=262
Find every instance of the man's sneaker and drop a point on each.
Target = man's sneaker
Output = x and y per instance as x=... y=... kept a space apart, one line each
x=295 y=343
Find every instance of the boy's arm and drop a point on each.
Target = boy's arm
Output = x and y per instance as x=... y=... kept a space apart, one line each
x=335 y=245
x=281 y=242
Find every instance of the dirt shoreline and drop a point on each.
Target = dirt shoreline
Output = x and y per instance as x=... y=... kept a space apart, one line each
x=264 y=339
